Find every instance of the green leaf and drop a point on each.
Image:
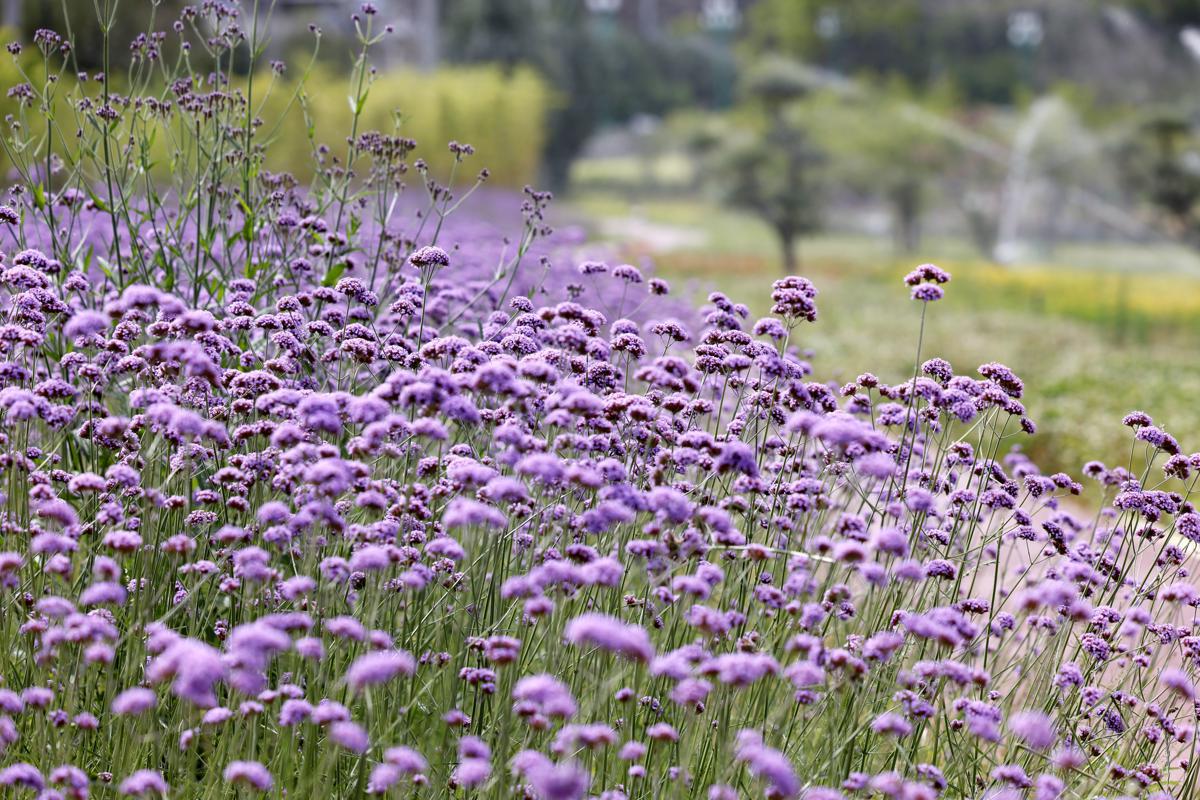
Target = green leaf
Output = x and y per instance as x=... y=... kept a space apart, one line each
x=97 y=202
x=335 y=272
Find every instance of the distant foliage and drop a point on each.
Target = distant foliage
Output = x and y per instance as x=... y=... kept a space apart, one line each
x=602 y=72
x=502 y=114
x=770 y=166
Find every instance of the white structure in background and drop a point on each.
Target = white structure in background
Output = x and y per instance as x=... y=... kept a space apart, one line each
x=720 y=15
x=1025 y=29
x=1190 y=37
x=1019 y=183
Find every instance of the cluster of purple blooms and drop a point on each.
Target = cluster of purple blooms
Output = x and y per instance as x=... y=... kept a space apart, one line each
x=354 y=511
x=499 y=544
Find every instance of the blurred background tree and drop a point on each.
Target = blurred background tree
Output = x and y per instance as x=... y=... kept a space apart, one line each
x=603 y=73
x=1160 y=162
x=769 y=166
x=881 y=144
x=991 y=52
x=920 y=113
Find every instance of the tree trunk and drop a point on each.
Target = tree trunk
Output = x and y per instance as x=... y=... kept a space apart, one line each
x=906 y=216
x=982 y=227
x=10 y=17
x=428 y=35
x=789 y=249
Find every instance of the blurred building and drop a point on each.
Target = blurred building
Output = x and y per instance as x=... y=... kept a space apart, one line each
x=653 y=17
x=415 y=39
x=417 y=22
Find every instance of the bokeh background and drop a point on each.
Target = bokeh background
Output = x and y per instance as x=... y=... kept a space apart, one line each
x=1047 y=153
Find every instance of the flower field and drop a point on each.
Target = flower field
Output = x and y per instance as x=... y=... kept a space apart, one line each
x=381 y=486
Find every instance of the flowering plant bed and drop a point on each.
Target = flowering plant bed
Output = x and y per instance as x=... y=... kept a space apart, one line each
x=305 y=496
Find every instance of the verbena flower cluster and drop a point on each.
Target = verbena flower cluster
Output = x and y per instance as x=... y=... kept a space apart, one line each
x=323 y=509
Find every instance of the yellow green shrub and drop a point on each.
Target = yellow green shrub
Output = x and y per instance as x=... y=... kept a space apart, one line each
x=500 y=113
